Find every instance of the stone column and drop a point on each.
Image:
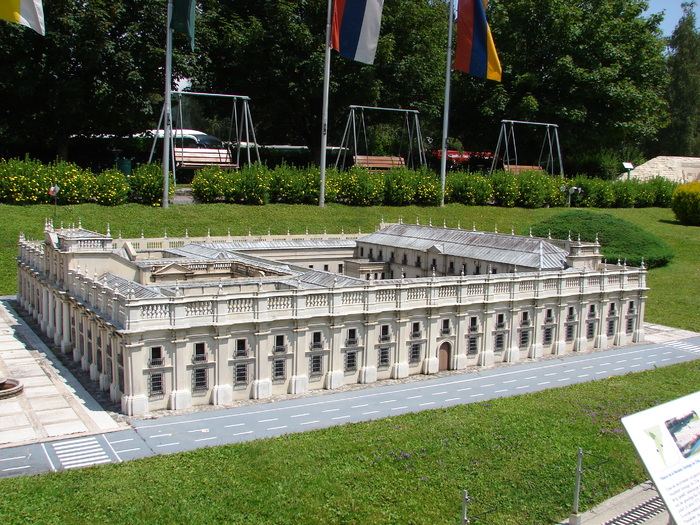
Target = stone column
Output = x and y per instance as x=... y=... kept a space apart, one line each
x=181 y=394
x=222 y=393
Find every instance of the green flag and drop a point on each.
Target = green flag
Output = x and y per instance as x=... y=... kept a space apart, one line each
x=183 y=18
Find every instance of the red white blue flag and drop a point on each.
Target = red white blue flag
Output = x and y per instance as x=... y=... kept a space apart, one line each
x=476 y=51
x=355 y=30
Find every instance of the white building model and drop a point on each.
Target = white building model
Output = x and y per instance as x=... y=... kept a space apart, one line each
x=176 y=322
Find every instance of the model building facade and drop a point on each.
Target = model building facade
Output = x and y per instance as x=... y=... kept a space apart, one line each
x=168 y=323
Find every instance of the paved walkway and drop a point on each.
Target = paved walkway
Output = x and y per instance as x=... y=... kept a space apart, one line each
x=54 y=405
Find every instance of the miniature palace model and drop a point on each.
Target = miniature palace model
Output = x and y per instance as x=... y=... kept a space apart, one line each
x=168 y=323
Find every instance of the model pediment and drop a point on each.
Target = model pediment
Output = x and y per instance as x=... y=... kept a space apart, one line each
x=172 y=269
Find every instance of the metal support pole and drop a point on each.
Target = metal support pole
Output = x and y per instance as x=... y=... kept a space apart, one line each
x=324 y=109
x=575 y=518
x=465 y=499
x=446 y=107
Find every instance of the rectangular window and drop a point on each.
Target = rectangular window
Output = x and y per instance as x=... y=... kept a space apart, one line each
x=571 y=316
x=525 y=319
x=547 y=336
x=199 y=379
x=340 y=268
x=473 y=324
x=383 y=358
x=570 y=332
x=316 y=340
x=630 y=325
x=500 y=342
x=241 y=377
x=156 y=356
x=279 y=369
x=591 y=311
x=549 y=316
x=612 y=310
x=384 y=335
x=200 y=352
x=352 y=337
x=155 y=385
x=611 y=327
x=473 y=348
x=414 y=354
x=445 y=330
x=325 y=267
x=241 y=347
x=500 y=321
x=279 y=345
x=415 y=330
x=631 y=307
x=524 y=338
x=590 y=331
x=350 y=361
x=316 y=365
x=418 y=262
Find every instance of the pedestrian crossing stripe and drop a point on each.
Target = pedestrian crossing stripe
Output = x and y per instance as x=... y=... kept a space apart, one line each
x=684 y=346
x=80 y=453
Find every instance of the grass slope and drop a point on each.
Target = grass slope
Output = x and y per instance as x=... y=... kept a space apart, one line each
x=673 y=298
x=517 y=454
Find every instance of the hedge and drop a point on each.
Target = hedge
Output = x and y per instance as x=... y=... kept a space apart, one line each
x=28 y=182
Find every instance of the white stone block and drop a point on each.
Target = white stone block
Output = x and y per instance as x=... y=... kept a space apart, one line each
x=66 y=347
x=601 y=341
x=94 y=373
x=559 y=347
x=486 y=358
x=638 y=336
x=262 y=388
x=179 y=399
x=104 y=382
x=222 y=395
x=399 y=370
x=511 y=355
x=114 y=394
x=368 y=374
x=334 y=379
x=580 y=344
x=431 y=365
x=84 y=363
x=460 y=362
x=298 y=384
x=134 y=405
x=535 y=351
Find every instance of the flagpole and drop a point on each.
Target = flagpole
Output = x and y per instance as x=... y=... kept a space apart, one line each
x=446 y=109
x=167 y=109
x=324 y=110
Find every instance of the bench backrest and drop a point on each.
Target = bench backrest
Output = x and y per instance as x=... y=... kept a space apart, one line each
x=379 y=162
x=204 y=156
x=519 y=168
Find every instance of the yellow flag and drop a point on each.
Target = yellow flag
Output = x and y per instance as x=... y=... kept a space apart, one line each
x=29 y=13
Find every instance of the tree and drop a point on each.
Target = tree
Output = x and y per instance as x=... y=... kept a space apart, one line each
x=99 y=69
x=682 y=136
x=273 y=51
x=594 y=67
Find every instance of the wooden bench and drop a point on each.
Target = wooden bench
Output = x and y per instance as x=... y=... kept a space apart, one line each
x=194 y=158
x=375 y=163
x=516 y=169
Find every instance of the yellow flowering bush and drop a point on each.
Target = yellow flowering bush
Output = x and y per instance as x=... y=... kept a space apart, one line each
x=111 y=188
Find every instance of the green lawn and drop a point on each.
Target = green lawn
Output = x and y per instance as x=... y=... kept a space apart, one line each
x=516 y=454
x=673 y=298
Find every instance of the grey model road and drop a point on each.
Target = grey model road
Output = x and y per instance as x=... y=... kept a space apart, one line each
x=217 y=427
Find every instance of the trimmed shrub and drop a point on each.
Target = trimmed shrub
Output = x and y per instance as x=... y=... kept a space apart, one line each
x=538 y=188
x=24 y=182
x=77 y=185
x=506 y=191
x=428 y=190
x=210 y=184
x=468 y=188
x=686 y=203
x=595 y=193
x=146 y=184
x=249 y=185
x=111 y=188
x=663 y=190
x=360 y=187
x=401 y=187
x=625 y=192
x=293 y=185
x=619 y=239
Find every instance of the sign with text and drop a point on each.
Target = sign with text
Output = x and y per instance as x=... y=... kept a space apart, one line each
x=667 y=438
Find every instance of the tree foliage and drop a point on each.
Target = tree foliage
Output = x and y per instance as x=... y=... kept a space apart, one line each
x=273 y=51
x=595 y=67
x=99 y=69
x=682 y=137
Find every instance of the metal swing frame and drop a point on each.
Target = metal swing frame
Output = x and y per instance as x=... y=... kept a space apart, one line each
x=550 y=144
x=411 y=128
x=243 y=127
